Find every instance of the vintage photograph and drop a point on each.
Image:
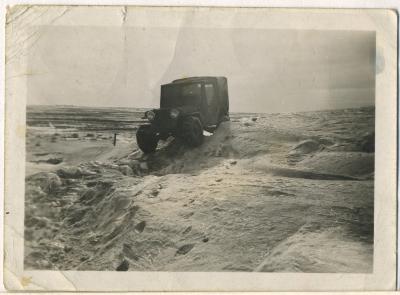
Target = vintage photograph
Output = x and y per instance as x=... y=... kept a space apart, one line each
x=190 y=148
x=262 y=155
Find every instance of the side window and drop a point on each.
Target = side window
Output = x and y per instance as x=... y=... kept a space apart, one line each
x=191 y=89
x=210 y=94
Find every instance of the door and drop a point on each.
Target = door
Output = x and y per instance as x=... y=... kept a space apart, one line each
x=212 y=103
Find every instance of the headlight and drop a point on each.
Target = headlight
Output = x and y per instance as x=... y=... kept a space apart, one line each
x=150 y=115
x=174 y=113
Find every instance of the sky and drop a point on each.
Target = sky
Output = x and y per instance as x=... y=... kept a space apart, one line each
x=267 y=70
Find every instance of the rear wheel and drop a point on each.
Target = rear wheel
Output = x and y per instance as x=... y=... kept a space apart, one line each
x=192 y=131
x=146 y=140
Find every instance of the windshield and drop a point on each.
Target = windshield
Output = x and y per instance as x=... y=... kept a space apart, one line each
x=177 y=95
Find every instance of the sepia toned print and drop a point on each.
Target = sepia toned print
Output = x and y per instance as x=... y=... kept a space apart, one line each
x=158 y=149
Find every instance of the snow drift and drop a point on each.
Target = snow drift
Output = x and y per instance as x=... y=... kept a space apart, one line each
x=277 y=192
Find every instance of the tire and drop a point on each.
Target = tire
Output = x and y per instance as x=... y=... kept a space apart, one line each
x=192 y=131
x=146 y=140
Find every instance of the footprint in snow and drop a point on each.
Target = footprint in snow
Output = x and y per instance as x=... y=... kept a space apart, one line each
x=188 y=229
x=188 y=215
x=140 y=226
x=124 y=266
x=154 y=193
x=184 y=249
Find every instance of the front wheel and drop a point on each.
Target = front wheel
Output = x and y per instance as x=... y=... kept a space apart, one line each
x=192 y=131
x=146 y=140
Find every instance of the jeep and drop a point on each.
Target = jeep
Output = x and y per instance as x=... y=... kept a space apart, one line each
x=187 y=108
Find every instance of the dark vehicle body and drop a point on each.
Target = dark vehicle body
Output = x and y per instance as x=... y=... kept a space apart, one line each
x=187 y=107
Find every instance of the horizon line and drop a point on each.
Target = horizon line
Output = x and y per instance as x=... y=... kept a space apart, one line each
x=253 y=112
